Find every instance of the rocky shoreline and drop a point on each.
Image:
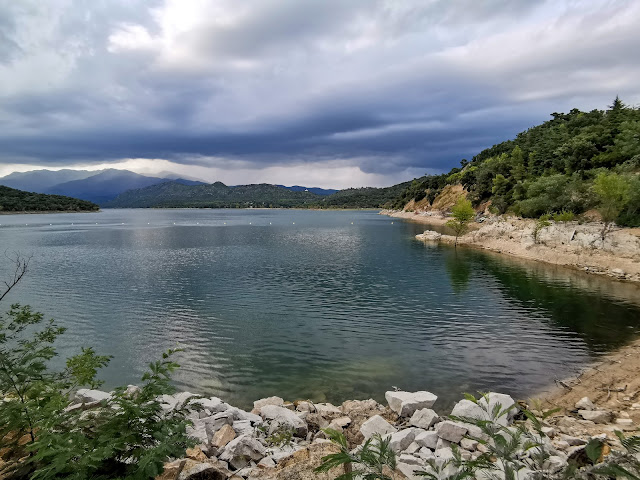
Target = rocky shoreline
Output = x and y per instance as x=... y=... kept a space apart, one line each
x=570 y=244
x=281 y=440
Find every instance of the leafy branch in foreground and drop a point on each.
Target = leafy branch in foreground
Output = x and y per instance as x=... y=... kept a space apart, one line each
x=42 y=436
x=373 y=461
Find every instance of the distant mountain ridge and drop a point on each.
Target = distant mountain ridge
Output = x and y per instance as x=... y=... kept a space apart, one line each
x=219 y=195
x=99 y=187
x=114 y=188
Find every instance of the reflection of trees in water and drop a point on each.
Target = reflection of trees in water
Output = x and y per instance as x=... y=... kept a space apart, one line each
x=459 y=269
x=604 y=321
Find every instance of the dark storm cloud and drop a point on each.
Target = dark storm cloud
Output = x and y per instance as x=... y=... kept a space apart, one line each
x=391 y=85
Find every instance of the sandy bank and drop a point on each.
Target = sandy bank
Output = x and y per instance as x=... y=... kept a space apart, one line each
x=567 y=244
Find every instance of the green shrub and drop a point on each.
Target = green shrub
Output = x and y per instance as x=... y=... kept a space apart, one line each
x=564 y=216
x=368 y=462
x=128 y=436
x=462 y=213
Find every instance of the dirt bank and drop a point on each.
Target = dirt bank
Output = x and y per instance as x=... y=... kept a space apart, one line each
x=569 y=244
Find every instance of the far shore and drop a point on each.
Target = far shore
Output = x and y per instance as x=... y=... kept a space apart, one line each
x=48 y=212
x=569 y=245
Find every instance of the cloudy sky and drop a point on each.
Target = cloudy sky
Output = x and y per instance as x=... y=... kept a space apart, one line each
x=330 y=93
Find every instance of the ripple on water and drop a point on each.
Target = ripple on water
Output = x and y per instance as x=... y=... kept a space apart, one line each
x=321 y=309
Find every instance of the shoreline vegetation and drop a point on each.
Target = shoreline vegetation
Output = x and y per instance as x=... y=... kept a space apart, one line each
x=14 y=201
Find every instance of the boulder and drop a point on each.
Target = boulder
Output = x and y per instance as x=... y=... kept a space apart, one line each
x=339 y=423
x=401 y=440
x=199 y=431
x=210 y=470
x=406 y=403
x=239 y=414
x=596 y=416
x=408 y=471
x=468 y=444
x=85 y=395
x=211 y=405
x=223 y=436
x=183 y=397
x=171 y=470
x=424 y=418
x=585 y=404
x=216 y=422
x=427 y=439
x=258 y=404
x=196 y=453
x=282 y=416
x=376 y=424
x=132 y=391
x=451 y=431
x=484 y=408
x=241 y=450
x=242 y=426
x=327 y=410
x=425 y=453
x=410 y=459
x=304 y=406
x=413 y=448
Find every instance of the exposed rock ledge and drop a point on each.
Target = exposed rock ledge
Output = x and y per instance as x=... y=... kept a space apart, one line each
x=570 y=244
x=235 y=444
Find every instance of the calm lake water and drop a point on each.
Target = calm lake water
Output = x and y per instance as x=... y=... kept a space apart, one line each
x=306 y=304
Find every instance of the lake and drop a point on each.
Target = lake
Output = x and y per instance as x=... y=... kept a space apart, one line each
x=324 y=305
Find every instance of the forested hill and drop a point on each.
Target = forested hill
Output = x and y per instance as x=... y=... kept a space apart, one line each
x=12 y=200
x=219 y=195
x=552 y=167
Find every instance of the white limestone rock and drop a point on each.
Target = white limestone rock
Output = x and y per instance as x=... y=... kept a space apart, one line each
x=283 y=416
x=258 y=404
x=327 y=410
x=483 y=409
x=585 y=404
x=451 y=431
x=406 y=403
x=376 y=424
x=408 y=471
x=85 y=395
x=239 y=451
x=401 y=440
x=596 y=416
x=427 y=439
x=424 y=418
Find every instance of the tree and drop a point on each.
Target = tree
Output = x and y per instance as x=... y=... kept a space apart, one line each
x=462 y=213
x=126 y=436
x=613 y=192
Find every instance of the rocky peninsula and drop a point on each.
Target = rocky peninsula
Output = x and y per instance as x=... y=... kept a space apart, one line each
x=574 y=244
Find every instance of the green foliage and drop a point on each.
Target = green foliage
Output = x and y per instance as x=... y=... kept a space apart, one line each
x=367 y=463
x=462 y=213
x=12 y=200
x=128 y=436
x=613 y=192
x=541 y=223
x=283 y=435
x=549 y=167
x=564 y=216
x=219 y=195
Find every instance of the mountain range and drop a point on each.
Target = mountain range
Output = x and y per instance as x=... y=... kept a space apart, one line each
x=103 y=186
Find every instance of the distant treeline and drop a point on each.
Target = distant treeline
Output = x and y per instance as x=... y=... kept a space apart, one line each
x=12 y=200
x=219 y=195
x=550 y=167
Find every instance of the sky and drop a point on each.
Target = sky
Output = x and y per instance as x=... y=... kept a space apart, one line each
x=328 y=93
